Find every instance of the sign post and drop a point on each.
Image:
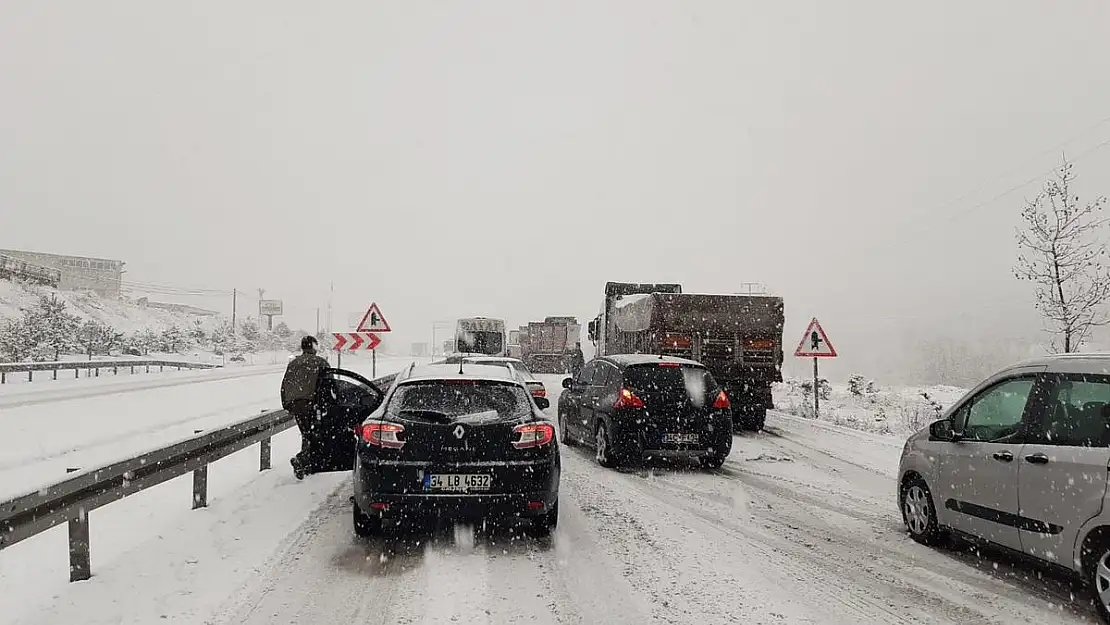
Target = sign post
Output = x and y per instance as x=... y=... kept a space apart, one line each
x=815 y=344
x=374 y=321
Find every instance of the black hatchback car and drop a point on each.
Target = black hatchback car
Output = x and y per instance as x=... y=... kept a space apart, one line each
x=460 y=442
x=632 y=407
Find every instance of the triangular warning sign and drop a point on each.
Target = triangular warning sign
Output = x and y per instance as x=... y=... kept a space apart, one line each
x=815 y=344
x=373 y=321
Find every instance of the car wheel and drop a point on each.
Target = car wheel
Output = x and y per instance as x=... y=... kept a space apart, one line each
x=1096 y=574
x=564 y=434
x=544 y=525
x=365 y=525
x=712 y=462
x=604 y=447
x=918 y=512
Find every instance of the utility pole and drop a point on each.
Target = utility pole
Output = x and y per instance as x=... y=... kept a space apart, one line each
x=317 y=320
x=234 y=305
x=261 y=293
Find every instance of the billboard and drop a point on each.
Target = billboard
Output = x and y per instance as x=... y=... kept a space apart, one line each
x=269 y=307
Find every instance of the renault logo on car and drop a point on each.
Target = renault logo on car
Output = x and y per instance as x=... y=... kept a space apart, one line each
x=459 y=431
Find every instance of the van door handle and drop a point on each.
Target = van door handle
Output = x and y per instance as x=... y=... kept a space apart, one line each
x=1004 y=456
x=1037 y=459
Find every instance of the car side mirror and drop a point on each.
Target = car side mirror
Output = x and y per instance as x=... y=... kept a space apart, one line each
x=568 y=382
x=542 y=402
x=942 y=431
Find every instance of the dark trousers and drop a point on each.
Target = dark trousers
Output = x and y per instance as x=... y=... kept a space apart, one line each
x=307 y=417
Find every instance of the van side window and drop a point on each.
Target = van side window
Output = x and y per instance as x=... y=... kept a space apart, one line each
x=1076 y=412
x=997 y=412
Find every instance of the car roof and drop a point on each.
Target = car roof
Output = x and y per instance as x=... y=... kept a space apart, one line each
x=452 y=372
x=1089 y=362
x=626 y=360
x=497 y=359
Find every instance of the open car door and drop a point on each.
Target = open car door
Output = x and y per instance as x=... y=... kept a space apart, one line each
x=346 y=399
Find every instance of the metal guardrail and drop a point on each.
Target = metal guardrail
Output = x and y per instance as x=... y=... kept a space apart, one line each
x=93 y=366
x=71 y=500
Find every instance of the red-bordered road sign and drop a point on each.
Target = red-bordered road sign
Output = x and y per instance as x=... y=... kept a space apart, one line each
x=373 y=321
x=815 y=343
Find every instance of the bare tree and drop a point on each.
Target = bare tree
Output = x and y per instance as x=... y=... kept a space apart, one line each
x=1062 y=251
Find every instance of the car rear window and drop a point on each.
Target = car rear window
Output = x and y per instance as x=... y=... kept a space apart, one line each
x=672 y=382
x=459 y=401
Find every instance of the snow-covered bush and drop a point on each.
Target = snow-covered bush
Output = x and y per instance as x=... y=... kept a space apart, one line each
x=857 y=385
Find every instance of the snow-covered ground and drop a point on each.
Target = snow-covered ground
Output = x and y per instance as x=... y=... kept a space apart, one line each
x=897 y=411
x=124 y=315
x=799 y=526
x=42 y=438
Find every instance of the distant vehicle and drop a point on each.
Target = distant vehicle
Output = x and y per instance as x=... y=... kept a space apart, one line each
x=459 y=446
x=548 y=346
x=737 y=337
x=1021 y=462
x=481 y=335
x=513 y=350
x=631 y=407
x=520 y=370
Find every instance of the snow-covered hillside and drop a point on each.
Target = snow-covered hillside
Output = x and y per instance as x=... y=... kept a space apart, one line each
x=124 y=315
x=896 y=411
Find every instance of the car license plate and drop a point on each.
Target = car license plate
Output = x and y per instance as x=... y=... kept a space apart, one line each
x=458 y=481
x=680 y=438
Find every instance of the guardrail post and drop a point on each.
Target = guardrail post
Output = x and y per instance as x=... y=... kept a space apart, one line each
x=200 y=487
x=115 y=369
x=264 y=455
x=80 y=563
x=132 y=369
x=98 y=372
x=3 y=377
x=30 y=376
x=148 y=368
x=55 y=374
x=161 y=368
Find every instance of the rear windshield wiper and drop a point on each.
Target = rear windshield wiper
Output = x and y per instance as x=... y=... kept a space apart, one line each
x=432 y=416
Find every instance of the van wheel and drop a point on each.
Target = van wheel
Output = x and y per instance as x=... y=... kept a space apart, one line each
x=604 y=447
x=712 y=462
x=918 y=512
x=1096 y=573
x=365 y=525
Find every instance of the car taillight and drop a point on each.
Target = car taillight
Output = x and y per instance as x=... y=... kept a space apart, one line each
x=382 y=434
x=627 y=400
x=539 y=392
x=722 y=401
x=533 y=435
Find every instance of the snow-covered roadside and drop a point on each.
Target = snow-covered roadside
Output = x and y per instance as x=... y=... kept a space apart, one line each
x=194 y=550
x=248 y=512
x=896 y=412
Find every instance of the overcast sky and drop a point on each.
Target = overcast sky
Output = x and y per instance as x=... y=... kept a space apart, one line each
x=507 y=158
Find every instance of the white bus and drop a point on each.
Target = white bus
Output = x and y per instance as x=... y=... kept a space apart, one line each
x=481 y=335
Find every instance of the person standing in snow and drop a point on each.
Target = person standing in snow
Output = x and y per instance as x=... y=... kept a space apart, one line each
x=300 y=397
x=577 y=361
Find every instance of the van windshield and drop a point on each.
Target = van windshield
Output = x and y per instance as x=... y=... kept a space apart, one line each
x=480 y=342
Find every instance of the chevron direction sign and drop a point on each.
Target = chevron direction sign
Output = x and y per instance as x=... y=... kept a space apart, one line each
x=354 y=341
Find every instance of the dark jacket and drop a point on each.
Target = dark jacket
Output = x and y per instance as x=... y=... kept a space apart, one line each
x=302 y=377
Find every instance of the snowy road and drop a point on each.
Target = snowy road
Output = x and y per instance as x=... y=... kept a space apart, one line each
x=799 y=526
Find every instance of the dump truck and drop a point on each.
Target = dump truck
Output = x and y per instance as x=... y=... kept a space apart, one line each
x=550 y=346
x=738 y=337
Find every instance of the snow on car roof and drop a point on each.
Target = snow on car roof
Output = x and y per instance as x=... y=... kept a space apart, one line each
x=470 y=371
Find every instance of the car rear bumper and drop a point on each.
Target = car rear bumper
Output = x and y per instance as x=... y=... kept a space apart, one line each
x=524 y=489
x=645 y=439
x=457 y=507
